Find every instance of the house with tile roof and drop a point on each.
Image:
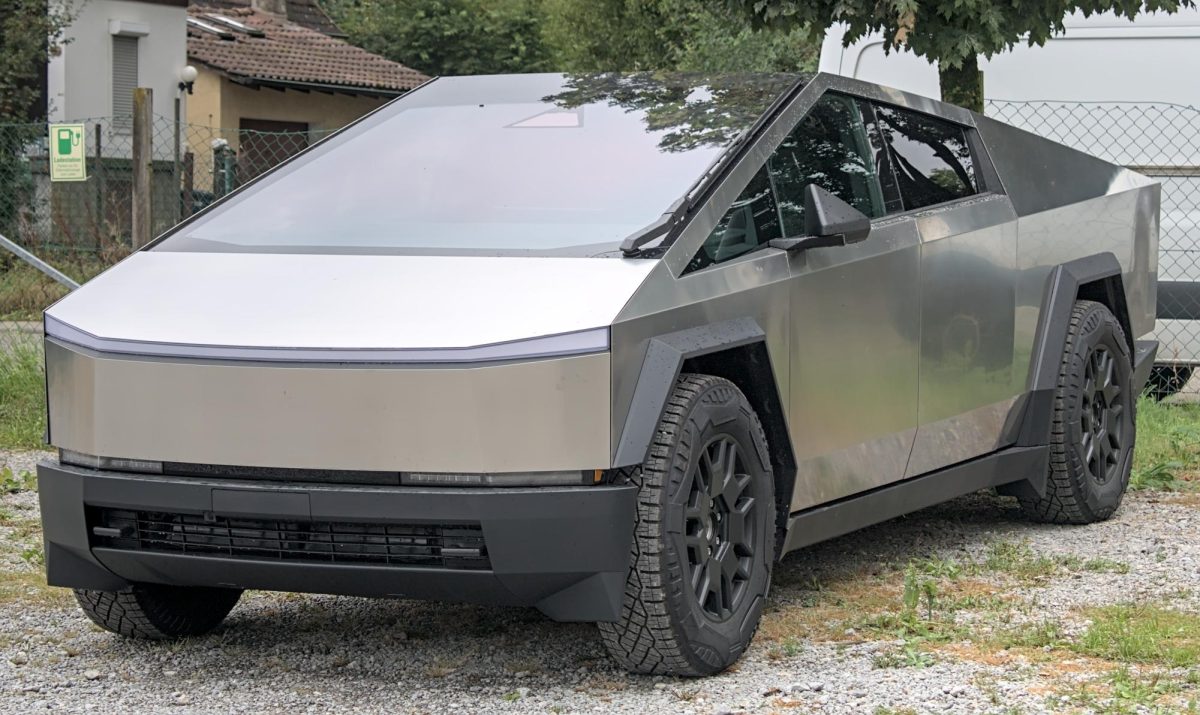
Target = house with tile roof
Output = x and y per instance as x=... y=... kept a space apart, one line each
x=281 y=73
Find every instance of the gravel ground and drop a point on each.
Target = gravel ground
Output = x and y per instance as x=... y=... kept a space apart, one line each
x=316 y=654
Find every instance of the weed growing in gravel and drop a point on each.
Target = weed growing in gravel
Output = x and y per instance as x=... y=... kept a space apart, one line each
x=33 y=556
x=1123 y=692
x=1046 y=634
x=1103 y=565
x=1018 y=560
x=11 y=483
x=908 y=656
x=1131 y=633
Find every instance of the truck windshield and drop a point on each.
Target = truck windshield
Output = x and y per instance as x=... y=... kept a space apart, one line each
x=525 y=164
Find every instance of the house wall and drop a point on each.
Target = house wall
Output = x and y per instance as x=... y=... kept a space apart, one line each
x=80 y=78
x=220 y=104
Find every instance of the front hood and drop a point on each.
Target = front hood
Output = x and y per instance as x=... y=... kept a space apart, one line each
x=285 y=306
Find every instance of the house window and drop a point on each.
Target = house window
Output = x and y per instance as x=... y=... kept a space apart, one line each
x=124 y=77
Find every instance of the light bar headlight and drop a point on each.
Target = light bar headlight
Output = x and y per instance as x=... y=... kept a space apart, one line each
x=115 y=464
x=521 y=479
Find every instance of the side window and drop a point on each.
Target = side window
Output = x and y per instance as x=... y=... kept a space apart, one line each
x=749 y=224
x=930 y=158
x=828 y=148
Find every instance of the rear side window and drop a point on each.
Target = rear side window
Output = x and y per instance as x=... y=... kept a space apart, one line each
x=748 y=224
x=828 y=148
x=930 y=158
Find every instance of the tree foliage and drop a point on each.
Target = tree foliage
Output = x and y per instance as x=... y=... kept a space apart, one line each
x=689 y=35
x=448 y=37
x=491 y=36
x=30 y=33
x=670 y=104
x=953 y=33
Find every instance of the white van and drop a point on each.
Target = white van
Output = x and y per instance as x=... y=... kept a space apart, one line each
x=1128 y=92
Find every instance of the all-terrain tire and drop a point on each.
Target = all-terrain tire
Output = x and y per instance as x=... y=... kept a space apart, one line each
x=1093 y=429
x=666 y=627
x=153 y=612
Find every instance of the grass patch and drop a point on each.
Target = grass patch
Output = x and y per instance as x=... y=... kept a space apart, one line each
x=22 y=396
x=1124 y=692
x=29 y=588
x=1142 y=634
x=1020 y=562
x=25 y=291
x=13 y=482
x=1168 y=446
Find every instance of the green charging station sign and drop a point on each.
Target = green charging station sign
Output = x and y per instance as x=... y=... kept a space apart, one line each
x=68 y=157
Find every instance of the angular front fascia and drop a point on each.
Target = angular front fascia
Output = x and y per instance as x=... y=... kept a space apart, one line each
x=536 y=415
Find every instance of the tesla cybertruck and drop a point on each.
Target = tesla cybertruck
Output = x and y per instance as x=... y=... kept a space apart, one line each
x=606 y=345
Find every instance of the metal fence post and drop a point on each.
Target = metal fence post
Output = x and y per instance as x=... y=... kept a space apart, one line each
x=142 y=157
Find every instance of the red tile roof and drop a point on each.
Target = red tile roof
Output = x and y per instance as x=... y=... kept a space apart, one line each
x=290 y=53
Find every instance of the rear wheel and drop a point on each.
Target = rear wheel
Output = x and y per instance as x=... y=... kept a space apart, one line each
x=1093 y=432
x=1166 y=380
x=704 y=542
x=153 y=612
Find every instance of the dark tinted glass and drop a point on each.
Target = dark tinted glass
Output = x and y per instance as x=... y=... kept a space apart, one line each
x=527 y=164
x=930 y=158
x=749 y=224
x=828 y=148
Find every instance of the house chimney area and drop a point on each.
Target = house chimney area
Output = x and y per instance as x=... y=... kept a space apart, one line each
x=271 y=7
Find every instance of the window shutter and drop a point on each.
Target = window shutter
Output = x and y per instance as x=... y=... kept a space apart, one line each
x=124 y=75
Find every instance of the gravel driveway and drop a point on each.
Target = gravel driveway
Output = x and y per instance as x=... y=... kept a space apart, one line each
x=834 y=639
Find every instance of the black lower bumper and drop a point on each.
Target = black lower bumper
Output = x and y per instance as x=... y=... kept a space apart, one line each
x=564 y=550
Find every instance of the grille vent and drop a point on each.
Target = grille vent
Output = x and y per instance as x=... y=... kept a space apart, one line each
x=455 y=546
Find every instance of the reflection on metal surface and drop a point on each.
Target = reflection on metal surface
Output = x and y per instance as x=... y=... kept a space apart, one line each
x=543 y=415
x=968 y=257
x=856 y=323
x=348 y=303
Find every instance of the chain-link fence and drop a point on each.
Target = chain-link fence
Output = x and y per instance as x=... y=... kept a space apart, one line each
x=82 y=227
x=1162 y=141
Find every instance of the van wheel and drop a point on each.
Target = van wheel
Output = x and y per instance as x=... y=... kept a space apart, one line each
x=1093 y=432
x=704 y=541
x=1166 y=380
x=153 y=612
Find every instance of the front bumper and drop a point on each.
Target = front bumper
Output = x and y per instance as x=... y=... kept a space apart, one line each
x=564 y=550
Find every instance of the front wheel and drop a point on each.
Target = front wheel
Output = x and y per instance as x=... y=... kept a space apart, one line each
x=153 y=612
x=704 y=542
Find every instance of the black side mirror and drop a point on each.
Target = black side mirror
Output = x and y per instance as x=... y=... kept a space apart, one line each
x=828 y=221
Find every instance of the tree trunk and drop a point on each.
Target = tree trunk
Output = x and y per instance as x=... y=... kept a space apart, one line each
x=962 y=85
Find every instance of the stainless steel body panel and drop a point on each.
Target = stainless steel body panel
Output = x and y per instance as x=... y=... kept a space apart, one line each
x=968 y=299
x=348 y=302
x=754 y=286
x=539 y=415
x=855 y=329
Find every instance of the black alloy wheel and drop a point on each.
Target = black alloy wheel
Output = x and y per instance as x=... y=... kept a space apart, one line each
x=719 y=524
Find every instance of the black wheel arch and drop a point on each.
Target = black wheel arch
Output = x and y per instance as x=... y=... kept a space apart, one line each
x=1097 y=278
x=735 y=350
